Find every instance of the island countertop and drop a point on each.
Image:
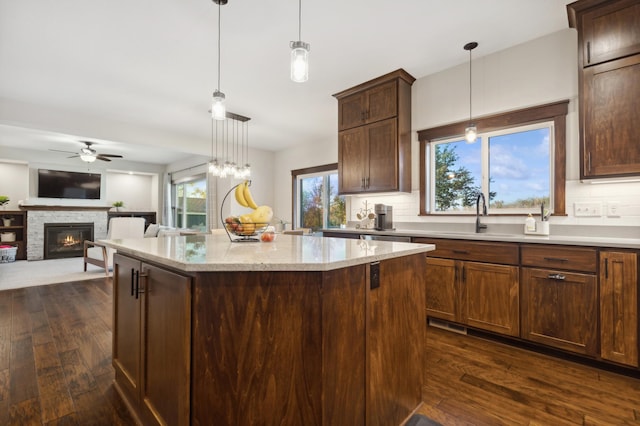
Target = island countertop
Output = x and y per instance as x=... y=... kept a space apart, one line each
x=202 y=253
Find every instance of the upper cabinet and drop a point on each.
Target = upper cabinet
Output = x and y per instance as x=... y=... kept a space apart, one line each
x=374 y=139
x=609 y=73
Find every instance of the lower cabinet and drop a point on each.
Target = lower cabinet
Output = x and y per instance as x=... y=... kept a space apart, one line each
x=475 y=293
x=619 y=307
x=560 y=297
x=151 y=341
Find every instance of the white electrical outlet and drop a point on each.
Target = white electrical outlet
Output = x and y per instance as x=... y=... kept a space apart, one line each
x=591 y=209
x=613 y=209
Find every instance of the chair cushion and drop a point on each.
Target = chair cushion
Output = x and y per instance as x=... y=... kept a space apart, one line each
x=152 y=230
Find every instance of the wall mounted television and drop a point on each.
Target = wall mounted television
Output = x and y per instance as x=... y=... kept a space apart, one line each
x=62 y=184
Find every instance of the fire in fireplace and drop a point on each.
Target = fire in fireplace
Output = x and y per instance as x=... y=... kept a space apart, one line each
x=66 y=239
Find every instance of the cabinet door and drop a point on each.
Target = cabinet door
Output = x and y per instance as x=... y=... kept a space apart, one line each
x=441 y=284
x=167 y=346
x=351 y=111
x=352 y=152
x=490 y=297
x=382 y=102
x=395 y=340
x=560 y=309
x=611 y=31
x=382 y=169
x=126 y=327
x=619 y=307
x=611 y=114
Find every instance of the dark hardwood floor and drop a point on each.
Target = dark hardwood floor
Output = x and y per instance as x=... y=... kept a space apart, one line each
x=55 y=356
x=475 y=381
x=55 y=369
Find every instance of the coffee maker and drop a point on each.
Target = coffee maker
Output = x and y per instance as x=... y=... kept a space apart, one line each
x=384 y=217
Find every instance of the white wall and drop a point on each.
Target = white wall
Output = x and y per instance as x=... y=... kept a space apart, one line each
x=134 y=190
x=534 y=73
x=14 y=182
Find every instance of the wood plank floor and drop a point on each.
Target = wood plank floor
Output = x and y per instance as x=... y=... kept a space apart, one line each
x=55 y=356
x=55 y=369
x=475 y=381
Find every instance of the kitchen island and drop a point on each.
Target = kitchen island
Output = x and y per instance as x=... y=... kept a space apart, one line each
x=301 y=331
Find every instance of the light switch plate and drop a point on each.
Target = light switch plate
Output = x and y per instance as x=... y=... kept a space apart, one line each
x=587 y=209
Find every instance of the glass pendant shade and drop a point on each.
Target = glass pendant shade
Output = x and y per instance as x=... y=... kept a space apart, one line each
x=299 y=61
x=218 y=108
x=89 y=158
x=471 y=133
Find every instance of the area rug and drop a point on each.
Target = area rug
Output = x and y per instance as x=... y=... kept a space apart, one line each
x=28 y=273
x=420 y=420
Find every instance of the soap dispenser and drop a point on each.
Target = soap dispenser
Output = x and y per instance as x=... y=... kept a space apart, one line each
x=530 y=224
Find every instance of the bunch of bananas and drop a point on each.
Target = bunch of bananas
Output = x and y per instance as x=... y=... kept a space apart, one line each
x=248 y=224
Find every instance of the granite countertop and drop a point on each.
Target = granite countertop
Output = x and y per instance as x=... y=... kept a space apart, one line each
x=587 y=240
x=201 y=253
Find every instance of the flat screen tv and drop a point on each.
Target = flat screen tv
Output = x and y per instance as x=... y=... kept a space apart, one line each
x=61 y=184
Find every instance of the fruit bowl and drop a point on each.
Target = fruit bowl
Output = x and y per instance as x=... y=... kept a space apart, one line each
x=245 y=229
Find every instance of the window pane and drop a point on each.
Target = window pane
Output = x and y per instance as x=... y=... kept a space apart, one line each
x=519 y=169
x=337 y=208
x=311 y=207
x=180 y=202
x=196 y=207
x=458 y=175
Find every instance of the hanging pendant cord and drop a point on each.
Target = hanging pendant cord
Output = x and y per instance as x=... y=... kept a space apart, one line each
x=470 y=91
x=219 y=45
x=299 y=20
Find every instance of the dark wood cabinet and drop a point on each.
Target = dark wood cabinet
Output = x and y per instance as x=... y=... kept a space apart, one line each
x=368 y=158
x=13 y=227
x=609 y=74
x=151 y=340
x=560 y=307
x=619 y=307
x=374 y=139
x=369 y=106
x=462 y=288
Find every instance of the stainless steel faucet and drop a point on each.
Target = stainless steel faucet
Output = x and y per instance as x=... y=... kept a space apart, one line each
x=480 y=226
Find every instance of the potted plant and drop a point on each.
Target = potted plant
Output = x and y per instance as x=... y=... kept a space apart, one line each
x=4 y=200
x=118 y=205
x=6 y=220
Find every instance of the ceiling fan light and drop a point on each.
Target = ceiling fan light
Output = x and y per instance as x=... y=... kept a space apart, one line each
x=218 y=107
x=471 y=133
x=89 y=158
x=299 y=61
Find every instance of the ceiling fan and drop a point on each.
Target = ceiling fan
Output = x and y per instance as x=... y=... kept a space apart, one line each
x=88 y=154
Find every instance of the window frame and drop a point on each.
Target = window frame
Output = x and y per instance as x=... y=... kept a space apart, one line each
x=174 y=198
x=484 y=141
x=306 y=172
x=555 y=112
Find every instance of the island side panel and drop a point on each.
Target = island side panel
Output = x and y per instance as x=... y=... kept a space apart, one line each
x=257 y=355
x=396 y=340
x=343 y=344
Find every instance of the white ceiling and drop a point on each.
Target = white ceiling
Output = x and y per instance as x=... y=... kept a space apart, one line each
x=130 y=74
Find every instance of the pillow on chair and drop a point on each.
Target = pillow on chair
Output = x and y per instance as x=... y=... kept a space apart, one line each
x=152 y=230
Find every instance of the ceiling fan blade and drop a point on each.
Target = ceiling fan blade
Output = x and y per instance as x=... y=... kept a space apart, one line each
x=74 y=156
x=59 y=150
x=111 y=155
x=102 y=157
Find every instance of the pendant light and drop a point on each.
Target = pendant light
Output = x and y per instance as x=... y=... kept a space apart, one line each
x=471 y=132
x=218 y=108
x=299 y=53
x=233 y=135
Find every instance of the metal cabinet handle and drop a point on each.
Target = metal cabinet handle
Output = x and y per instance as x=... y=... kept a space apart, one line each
x=588 y=52
x=606 y=268
x=559 y=277
x=555 y=259
x=133 y=271
x=460 y=251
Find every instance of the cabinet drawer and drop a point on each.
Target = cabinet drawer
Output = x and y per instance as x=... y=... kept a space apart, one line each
x=560 y=257
x=493 y=252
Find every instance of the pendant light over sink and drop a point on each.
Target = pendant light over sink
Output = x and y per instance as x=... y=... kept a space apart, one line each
x=218 y=108
x=299 y=53
x=471 y=132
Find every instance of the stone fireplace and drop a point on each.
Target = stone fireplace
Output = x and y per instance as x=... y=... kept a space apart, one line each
x=38 y=216
x=66 y=239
